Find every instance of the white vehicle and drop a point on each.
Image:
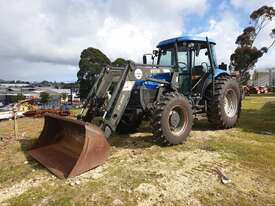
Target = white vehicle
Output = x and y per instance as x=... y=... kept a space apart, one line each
x=6 y=115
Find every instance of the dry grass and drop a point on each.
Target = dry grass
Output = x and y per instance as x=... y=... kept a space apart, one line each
x=139 y=172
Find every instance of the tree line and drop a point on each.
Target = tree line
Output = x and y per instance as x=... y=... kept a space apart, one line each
x=91 y=62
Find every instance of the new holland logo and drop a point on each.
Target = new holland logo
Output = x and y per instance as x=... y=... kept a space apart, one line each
x=138 y=73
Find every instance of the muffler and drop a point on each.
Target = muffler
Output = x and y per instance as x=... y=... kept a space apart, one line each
x=69 y=147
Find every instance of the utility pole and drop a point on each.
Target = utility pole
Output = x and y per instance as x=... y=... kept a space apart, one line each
x=273 y=82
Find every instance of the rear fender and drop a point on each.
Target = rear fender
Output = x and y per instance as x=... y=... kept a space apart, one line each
x=218 y=73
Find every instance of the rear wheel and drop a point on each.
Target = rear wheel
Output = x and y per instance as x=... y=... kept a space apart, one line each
x=172 y=119
x=224 y=108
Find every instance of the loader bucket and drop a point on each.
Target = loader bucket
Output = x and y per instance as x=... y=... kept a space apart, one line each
x=69 y=147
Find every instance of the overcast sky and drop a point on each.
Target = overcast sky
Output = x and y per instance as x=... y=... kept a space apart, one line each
x=43 y=39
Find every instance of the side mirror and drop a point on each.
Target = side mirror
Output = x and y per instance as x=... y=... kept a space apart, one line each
x=144 y=59
x=155 y=53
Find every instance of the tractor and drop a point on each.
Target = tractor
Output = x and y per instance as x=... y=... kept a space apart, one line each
x=182 y=81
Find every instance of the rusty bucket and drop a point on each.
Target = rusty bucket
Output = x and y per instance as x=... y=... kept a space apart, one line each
x=69 y=147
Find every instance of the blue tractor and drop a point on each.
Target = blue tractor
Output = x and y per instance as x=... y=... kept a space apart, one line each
x=182 y=81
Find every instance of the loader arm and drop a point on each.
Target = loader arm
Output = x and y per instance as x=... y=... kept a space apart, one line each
x=70 y=147
x=110 y=95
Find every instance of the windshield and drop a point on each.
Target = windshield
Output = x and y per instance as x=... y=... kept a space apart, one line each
x=200 y=56
x=166 y=57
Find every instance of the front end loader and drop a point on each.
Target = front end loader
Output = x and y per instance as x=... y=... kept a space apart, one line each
x=184 y=82
x=69 y=147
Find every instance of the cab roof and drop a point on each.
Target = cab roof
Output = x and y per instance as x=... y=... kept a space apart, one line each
x=184 y=38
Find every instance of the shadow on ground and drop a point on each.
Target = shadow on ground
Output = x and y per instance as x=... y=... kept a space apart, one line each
x=260 y=121
x=132 y=141
x=26 y=145
x=144 y=137
x=202 y=125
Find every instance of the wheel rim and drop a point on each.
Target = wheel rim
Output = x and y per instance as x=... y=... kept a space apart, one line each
x=230 y=103
x=177 y=121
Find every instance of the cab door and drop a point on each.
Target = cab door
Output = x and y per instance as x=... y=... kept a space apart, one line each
x=200 y=66
x=184 y=65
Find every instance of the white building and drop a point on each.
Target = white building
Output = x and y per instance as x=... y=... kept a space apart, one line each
x=264 y=78
x=6 y=93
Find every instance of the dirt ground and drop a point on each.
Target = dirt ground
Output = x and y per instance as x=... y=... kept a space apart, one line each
x=139 y=172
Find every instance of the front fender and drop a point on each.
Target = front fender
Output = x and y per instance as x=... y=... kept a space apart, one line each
x=218 y=73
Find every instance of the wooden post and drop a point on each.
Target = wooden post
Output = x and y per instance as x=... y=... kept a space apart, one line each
x=15 y=122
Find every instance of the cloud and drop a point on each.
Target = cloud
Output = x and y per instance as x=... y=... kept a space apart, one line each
x=267 y=61
x=251 y=4
x=224 y=32
x=53 y=33
x=18 y=69
x=226 y=28
x=43 y=39
x=264 y=40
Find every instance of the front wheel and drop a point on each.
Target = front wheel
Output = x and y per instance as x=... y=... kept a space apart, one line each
x=172 y=119
x=224 y=107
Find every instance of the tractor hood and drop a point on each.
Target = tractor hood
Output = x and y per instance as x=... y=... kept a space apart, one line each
x=166 y=76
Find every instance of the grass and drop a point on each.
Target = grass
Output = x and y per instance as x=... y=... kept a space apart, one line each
x=252 y=142
x=30 y=197
x=251 y=145
x=141 y=172
x=75 y=111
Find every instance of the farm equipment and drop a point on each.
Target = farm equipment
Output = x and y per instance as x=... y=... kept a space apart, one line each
x=255 y=90
x=185 y=81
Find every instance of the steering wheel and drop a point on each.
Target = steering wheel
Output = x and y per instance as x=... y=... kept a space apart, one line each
x=184 y=65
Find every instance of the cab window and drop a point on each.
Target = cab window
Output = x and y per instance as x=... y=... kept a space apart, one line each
x=167 y=57
x=201 y=60
x=182 y=58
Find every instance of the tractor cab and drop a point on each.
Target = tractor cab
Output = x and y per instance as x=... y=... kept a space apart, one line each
x=193 y=57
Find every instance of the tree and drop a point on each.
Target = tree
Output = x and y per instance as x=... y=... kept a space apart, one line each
x=119 y=62
x=91 y=62
x=246 y=54
x=45 y=83
x=19 y=97
x=44 y=97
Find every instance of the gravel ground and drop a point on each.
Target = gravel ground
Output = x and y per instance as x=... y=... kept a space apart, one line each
x=139 y=172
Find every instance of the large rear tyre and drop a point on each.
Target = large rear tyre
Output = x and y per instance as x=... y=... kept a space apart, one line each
x=172 y=119
x=224 y=108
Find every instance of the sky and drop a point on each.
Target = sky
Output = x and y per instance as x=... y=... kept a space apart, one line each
x=43 y=39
